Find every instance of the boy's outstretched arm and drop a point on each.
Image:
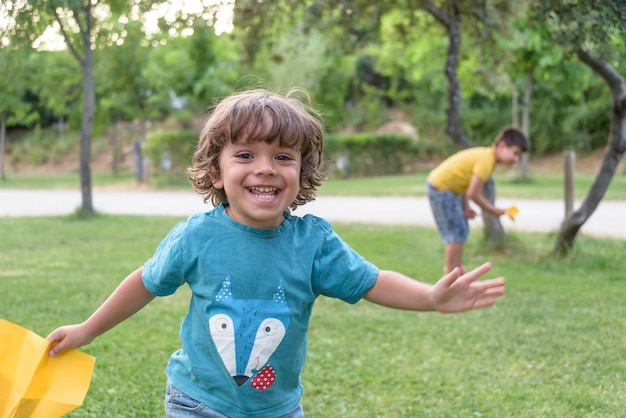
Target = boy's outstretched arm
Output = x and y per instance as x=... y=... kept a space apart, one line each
x=129 y=297
x=452 y=293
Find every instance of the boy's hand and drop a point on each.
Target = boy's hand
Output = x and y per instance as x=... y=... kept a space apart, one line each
x=469 y=213
x=512 y=212
x=456 y=293
x=68 y=337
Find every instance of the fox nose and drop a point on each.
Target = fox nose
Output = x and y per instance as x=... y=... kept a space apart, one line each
x=240 y=379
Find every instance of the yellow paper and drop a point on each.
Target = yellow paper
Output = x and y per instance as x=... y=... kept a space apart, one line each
x=35 y=385
x=512 y=212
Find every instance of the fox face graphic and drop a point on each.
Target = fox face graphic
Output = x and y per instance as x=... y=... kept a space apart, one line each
x=246 y=333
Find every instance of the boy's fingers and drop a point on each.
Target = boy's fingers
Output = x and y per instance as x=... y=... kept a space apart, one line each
x=55 y=335
x=56 y=338
x=473 y=275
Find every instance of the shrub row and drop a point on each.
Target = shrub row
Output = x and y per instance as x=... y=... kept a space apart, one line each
x=351 y=155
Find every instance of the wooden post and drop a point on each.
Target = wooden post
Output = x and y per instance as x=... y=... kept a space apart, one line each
x=569 y=158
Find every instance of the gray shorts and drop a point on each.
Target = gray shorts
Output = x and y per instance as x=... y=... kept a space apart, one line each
x=449 y=215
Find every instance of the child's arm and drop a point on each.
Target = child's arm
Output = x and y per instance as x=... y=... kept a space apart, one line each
x=129 y=297
x=467 y=209
x=452 y=293
x=475 y=193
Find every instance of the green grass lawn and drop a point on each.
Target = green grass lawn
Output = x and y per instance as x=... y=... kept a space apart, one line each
x=552 y=347
x=537 y=186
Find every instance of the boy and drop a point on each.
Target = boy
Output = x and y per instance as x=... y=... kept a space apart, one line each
x=255 y=270
x=459 y=179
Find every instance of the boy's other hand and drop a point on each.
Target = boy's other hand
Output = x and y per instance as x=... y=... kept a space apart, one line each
x=457 y=293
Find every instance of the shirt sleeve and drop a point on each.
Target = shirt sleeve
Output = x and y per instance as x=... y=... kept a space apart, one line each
x=343 y=273
x=484 y=166
x=163 y=273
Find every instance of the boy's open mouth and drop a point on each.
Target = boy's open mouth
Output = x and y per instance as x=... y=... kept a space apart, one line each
x=267 y=193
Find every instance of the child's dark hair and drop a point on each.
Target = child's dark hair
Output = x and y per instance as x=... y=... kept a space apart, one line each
x=244 y=116
x=512 y=136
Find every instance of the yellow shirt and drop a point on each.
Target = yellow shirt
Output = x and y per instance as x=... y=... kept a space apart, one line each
x=455 y=172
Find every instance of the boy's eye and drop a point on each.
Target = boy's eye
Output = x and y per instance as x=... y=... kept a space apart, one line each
x=283 y=157
x=244 y=155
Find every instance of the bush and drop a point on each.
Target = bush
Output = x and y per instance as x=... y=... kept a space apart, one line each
x=360 y=155
x=171 y=150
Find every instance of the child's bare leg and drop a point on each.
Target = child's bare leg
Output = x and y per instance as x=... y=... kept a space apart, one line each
x=454 y=253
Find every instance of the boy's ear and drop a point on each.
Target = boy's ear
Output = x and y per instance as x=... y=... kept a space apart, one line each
x=216 y=180
x=501 y=146
x=218 y=183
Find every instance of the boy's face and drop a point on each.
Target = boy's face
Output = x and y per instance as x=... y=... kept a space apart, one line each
x=507 y=155
x=260 y=180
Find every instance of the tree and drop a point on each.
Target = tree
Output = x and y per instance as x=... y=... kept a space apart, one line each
x=82 y=24
x=594 y=33
x=76 y=21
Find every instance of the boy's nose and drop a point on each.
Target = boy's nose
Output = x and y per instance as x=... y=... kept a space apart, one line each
x=265 y=167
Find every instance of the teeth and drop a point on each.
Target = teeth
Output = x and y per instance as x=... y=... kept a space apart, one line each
x=263 y=189
x=266 y=193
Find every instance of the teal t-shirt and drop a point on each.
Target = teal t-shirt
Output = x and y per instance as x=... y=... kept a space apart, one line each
x=252 y=291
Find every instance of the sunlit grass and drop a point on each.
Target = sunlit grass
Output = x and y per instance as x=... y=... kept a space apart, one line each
x=537 y=186
x=553 y=346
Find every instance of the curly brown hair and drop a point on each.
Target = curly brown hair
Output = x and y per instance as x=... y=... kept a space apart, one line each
x=242 y=116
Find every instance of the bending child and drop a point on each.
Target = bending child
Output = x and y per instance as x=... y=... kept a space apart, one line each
x=458 y=180
x=255 y=270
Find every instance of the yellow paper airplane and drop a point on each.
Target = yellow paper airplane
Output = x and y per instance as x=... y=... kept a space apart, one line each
x=512 y=212
x=35 y=385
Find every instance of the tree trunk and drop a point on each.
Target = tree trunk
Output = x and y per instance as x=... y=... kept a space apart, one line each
x=515 y=106
x=114 y=150
x=614 y=152
x=526 y=121
x=493 y=226
x=3 y=132
x=61 y=125
x=452 y=23
x=86 y=131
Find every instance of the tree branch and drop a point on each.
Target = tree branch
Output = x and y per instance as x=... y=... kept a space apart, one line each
x=613 y=78
x=437 y=13
x=68 y=40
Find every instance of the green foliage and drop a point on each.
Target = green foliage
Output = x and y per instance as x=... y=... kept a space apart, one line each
x=595 y=26
x=369 y=154
x=587 y=128
x=171 y=150
x=333 y=90
x=361 y=62
x=562 y=122
x=59 y=86
x=554 y=343
x=124 y=96
x=16 y=69
x=483 y=118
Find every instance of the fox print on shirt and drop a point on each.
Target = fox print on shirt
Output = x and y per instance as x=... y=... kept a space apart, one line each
x=246 y=333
